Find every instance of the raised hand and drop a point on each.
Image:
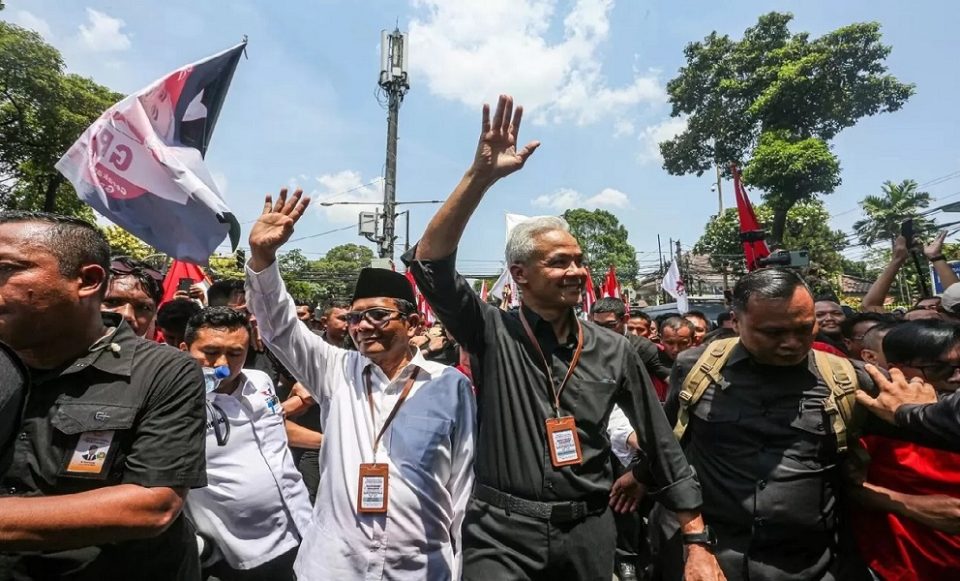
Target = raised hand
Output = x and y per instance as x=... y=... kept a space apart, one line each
x=935 y=248
x=497 y=155
x=274 y=227
x=900 y=250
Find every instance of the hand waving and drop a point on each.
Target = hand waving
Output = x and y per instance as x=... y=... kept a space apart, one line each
x=935 y=248
x=274 y=227
x=497 y=154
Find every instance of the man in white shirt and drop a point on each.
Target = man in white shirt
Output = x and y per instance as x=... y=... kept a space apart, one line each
x=255 y=508
x=397 y=457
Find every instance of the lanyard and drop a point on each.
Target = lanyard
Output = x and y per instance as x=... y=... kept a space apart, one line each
x=546 y=364
x=393 y=413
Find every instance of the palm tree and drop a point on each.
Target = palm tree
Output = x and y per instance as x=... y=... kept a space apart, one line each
x=886 y=212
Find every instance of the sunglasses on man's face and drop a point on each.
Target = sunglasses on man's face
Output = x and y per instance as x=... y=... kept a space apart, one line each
x=121 y=266
x=377 y=316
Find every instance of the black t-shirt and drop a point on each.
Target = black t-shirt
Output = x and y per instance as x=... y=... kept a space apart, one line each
x=13 y=383
x=141 y=404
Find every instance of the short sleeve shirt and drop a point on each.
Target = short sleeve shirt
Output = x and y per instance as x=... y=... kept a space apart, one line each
x=129 y=411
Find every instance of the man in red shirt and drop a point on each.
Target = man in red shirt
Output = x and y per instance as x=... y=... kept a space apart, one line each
x=906 y=524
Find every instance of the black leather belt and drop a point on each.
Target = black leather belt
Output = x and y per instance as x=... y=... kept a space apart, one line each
x=555 y=512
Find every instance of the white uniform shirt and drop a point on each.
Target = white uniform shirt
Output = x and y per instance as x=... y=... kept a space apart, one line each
x=619 y=429
x=428 y=448
x=255 y=506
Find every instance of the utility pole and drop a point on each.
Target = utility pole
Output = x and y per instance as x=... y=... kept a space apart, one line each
x=393 y=81
x=719 y=186
x=679 y=256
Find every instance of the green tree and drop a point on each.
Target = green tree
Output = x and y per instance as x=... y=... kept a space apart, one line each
x=886 y=212
x=807 y=228
x=604 y=243
x=42 y=113
x=773 y=100
x=126 y=244
x=339 y=270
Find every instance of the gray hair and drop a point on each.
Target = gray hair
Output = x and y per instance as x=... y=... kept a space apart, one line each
x=520 y=244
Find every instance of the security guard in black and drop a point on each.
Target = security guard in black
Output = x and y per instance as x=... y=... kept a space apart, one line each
x=129 y=411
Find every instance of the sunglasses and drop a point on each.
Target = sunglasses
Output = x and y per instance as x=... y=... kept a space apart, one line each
x=377 y=316
x=122 y=266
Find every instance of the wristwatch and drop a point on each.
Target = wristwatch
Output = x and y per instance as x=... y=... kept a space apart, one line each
x=706 y=537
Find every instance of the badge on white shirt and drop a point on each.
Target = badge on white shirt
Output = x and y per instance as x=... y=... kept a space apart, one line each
x=372 y=488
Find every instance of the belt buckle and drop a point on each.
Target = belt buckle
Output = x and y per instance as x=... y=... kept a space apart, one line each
x=567 y=512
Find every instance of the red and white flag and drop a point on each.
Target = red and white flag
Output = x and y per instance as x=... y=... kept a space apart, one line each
x=423 y=307
x=483 y=290
x=589 y=296
x=610 y=288
x=673 y=284
x=141 y=163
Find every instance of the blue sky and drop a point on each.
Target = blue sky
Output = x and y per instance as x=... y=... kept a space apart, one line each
x=591 y=73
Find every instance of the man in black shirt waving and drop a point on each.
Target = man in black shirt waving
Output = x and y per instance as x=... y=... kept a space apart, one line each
x=545 y=386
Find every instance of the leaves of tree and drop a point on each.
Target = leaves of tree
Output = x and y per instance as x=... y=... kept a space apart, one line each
x=604 y=242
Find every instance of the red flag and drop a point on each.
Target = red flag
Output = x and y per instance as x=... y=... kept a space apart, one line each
x=610 y=288
x=754 y=246
x=483 y=290
x=589 y=295
x=423 y=307
x=179 y=269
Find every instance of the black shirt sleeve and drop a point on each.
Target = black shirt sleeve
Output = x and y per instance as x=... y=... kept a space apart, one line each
x=939 y=421
x=650 y=356
x=457 y=306
x=169 y=440
x=676 y=485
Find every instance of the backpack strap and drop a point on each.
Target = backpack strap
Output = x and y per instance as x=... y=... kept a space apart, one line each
x=705 y=372
x=840 y=376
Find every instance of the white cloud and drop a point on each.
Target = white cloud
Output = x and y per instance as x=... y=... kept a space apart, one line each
x=345 y=186
x=623 y=128
x=452 y=47
x=651 y=137
x=102 y=33
x=31 y=21
x=566 y=198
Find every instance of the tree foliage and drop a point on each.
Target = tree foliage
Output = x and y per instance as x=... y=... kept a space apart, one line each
x=332 y=277
x=126 y=244
x=806 y=228
x=42 y=113
x=604 y=243
x=773 y=100
x=886 y=212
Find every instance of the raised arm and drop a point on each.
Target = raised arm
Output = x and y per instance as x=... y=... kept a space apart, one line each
x=432 y=261
x=873 y=300
x=497 y=156
x=306 y=355
x=934 y=253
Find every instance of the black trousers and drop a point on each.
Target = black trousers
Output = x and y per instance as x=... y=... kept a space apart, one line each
x=309 y=466
x=279 y=569
x=513 y=547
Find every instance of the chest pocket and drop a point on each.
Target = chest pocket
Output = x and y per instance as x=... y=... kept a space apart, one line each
x=83 y=427
x=717 y=415
x=418 y=441
x=817 y=442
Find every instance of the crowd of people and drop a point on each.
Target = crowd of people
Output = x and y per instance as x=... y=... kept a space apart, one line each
x=233 y=434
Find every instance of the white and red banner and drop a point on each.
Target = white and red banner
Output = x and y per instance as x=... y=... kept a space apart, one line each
x=141 y=162
x=673 y=284
x=423 y=307
x=589 y=296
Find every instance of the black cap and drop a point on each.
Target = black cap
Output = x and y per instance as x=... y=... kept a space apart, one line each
x=383 y=283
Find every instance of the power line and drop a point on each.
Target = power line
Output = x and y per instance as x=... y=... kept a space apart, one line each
x=350 y=227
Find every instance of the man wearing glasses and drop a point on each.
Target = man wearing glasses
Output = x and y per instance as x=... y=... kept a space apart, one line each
x=397 y=457
x=255 y=509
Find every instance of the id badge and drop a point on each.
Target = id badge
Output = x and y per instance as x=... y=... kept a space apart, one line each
x=90 y=455
x=563 y=441
x=372 y=489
